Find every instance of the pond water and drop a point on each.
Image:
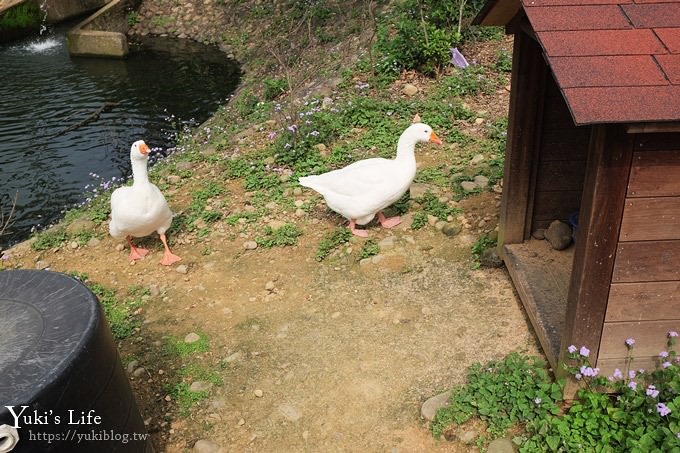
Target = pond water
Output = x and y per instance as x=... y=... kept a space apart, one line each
x=66 y=124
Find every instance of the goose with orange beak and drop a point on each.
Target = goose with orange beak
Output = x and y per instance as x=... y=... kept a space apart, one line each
x=360 y=191
x=140 y=209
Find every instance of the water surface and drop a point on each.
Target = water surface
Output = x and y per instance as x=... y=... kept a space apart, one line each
x=63 y=119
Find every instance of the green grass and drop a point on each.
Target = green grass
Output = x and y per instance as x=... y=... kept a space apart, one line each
x=332 y=241
x=119 y=313
x=368 y=249
x=49 y=239
x=178 y=347
x=286 y=235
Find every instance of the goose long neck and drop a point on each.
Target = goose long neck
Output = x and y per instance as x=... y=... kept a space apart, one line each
x=405 y=148
x=139 y=172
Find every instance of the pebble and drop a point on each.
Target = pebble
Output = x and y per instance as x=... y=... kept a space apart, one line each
x=174 y=179
x=42 y=264
x=132 y=366
x=250 y=245
x=138 y=372
x=93 y=242
x=184 y=165
x=387 y=243
x=481 y=181
x=409 y=89
x=182 y=269
x=192 y=337
x=258 y=393
x=468 y=437
x=74 y=245
x=241 y=422
x=299 y=203
x=270 y=286
x=300 y=213
x=233 y=357
x=120 y=247
x=154 y=291
x=501 y=445
x=477 y=159
x=200 y=386
x=468 y=186
x=206 y=446
x=297 y=191
x=290 y=412
x=451 y=229
x=430 y=407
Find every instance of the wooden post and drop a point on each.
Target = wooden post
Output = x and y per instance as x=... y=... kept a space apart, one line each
x=604 y=193
x=529 y=72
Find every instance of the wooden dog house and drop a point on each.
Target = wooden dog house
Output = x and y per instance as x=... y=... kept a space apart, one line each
x=594 y=129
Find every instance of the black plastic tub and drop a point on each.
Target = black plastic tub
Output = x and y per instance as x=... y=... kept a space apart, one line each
x=62 y=385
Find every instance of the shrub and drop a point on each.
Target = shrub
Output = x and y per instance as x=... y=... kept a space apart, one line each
x=632 y=410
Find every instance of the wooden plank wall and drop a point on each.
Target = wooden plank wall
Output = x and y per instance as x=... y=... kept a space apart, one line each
x=562 y=164
x=644 y=298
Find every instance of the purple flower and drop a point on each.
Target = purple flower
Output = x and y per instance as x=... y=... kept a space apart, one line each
x=666 y=365
x=672 y=334
x=457 y=58
x=578 y=376
x=631 y=374
x=271 y=136
x=314 y=133
x=652 y=391
x=662 y=409
x=663 y=354
x=572 y=349
x=585 y=352
x=589 y=371
x=630 y=342
x=632 y=385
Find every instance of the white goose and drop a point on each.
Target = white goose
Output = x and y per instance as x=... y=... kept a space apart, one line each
x=363 y=189
x=140 y=209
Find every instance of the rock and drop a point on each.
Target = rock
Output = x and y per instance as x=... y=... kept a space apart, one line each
x=387 y=243
x=490 y=258
x=277 y=224
x=154 y=291
x=192 y=337
x=501 y=445
x=290 y=412
x=270 y=286
x=258 y=393
x=409 y=89
x=93 y=242
x=539 y=234
x=200 y=386
x=42 y=265
x=174 y=179
x=322 y=149
x=297 y=191
x=451 y=229
x=132 y=366
x=481 y=181
x=233 y=357
x=250 y=245
x=468 y=186
x=559 y=235
x=74 y=245
x=418 y=189
x=182 y=269
x=432 y=405
x=479 y=121
x=80 y=226
x=184 y=165
x=300 y=213
x=477 y=159
x=138 y=372
x=207 y=446
x=468 y=437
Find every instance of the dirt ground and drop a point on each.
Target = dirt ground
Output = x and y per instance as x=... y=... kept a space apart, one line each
x=344 y=352
x=337 y=355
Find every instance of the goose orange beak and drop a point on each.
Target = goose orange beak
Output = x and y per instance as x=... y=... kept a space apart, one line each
x=435 y=139
x=144 y=149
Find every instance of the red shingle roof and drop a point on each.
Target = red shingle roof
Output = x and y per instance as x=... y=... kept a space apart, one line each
x=614 y=60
